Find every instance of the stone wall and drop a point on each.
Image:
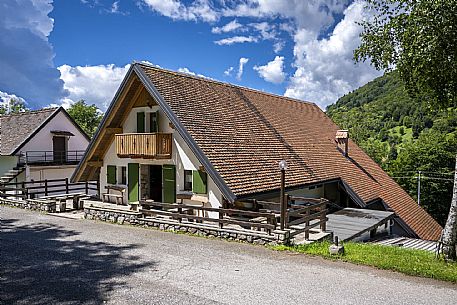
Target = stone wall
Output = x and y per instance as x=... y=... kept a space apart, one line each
x=135 y=218
x=31 y=204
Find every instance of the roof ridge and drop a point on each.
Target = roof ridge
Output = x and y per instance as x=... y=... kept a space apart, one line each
x=212 y=80
x=51 y=109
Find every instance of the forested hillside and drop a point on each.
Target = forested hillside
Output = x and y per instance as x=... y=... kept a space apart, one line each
x=403 y=137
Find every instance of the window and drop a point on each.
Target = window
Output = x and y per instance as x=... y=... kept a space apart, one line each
x=187 y=180
x=199 y=179
x=111 y=174
x=140 y=122
x=154 y=121
x=123 y=173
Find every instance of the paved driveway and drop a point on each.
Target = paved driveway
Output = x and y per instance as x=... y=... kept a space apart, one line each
x=51 y=260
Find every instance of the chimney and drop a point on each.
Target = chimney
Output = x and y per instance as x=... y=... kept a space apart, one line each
x=342 y=141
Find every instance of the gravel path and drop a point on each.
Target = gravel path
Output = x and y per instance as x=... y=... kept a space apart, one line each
x=46 y=259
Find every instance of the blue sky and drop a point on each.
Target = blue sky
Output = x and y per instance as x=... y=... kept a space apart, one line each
x=57 y=52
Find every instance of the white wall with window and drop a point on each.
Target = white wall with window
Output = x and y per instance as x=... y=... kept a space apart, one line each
x=190 y=176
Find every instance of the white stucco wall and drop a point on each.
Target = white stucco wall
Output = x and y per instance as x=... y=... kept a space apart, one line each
x=49 y=172
x=182 y=158
x=42 y=141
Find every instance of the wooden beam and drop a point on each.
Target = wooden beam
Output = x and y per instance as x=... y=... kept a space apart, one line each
x=114 y=129
x=98 y=163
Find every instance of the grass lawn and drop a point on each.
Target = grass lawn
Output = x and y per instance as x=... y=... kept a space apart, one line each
x=412 y=262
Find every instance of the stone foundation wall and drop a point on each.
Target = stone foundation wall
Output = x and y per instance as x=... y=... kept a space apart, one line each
x=31 y=204
x=134 y=218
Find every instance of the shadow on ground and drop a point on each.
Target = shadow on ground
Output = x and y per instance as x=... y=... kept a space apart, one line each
x=39 y=266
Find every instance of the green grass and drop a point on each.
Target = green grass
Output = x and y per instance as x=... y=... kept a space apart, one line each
x=407 y=261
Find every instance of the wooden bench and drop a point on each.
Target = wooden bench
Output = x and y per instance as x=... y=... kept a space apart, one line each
x=118 y=198
x=258 y=220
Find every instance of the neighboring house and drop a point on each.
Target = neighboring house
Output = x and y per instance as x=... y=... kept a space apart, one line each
x=39 y=145
x=168 y=136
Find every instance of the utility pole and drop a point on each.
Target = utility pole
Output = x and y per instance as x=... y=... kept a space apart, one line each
x=419 y=189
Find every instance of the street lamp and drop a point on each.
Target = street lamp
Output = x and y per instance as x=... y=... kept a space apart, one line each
x=283 y=167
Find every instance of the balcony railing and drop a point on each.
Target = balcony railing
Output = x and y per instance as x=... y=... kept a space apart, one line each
x=144 y=145
x=51 y=157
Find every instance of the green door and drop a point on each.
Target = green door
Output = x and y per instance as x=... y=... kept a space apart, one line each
x=133 y=174
x=169 y=183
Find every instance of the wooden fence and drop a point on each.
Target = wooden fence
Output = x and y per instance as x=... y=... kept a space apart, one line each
x=302 y=214
x=250 y=219
x=48 y=187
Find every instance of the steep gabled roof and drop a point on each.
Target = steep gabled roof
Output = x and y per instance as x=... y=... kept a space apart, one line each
x=18 y=128
x=241 y=134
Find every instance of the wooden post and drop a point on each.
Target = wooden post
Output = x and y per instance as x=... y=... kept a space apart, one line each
x=98 y=188
x=24 y=193
x=87 y=187
x=282 y=199
x=46 y=187
x=307 y=224
x=220 y=217
x=323 y=217
x=66 y=186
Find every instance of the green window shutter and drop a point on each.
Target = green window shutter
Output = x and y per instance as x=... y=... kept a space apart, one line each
x=199 y=181
x=140 y=122
x=133 y=178
x=111 y=174
x=169 y=183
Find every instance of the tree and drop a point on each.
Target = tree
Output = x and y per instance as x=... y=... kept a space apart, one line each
x=419 y=39
x=87 y=116
x=450 y=229
x=432 y=153
x=13 y=106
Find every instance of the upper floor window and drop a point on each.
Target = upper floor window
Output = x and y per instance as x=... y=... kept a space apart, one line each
x=187 y=180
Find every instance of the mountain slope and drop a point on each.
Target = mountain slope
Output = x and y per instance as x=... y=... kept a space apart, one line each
x=404 y=137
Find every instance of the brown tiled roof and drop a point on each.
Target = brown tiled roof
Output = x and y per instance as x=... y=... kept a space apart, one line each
x=17 y=128
x=245 y=133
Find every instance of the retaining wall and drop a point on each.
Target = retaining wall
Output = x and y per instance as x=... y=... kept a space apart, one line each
x=31 y=204
x=135 y=218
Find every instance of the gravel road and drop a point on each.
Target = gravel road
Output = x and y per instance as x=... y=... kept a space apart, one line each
x=46 y=259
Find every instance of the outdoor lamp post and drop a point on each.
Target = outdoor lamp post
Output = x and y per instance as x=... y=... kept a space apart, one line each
x=283 y=167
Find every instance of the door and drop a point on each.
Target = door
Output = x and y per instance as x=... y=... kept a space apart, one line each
x=59 y=149
x=169 y=183
x=140 y=122
x=133 y=178
x=155 y=182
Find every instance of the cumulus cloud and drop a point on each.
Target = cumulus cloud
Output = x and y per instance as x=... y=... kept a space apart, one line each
x=198 y=10
x=5 y=98
x=26 y=56
x=273 y=71
x=236 y=39
x=324 y=67
x=95 y=84
x=243 y=61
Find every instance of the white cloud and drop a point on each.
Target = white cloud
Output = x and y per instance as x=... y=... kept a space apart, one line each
x=95 y=84
x=229 y=71
x=324 y=68
x=6 y=97
x=243 y=61
x=26 y=56
x=236 y=39
x=273 y=71
x=229 y=27
x=278 y=46
x=198 y=10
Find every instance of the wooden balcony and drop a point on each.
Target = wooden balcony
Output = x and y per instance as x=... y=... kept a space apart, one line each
x=144 y=145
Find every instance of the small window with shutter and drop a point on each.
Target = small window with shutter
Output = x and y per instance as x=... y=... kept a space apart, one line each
x=111 y=174
x=199 y=181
